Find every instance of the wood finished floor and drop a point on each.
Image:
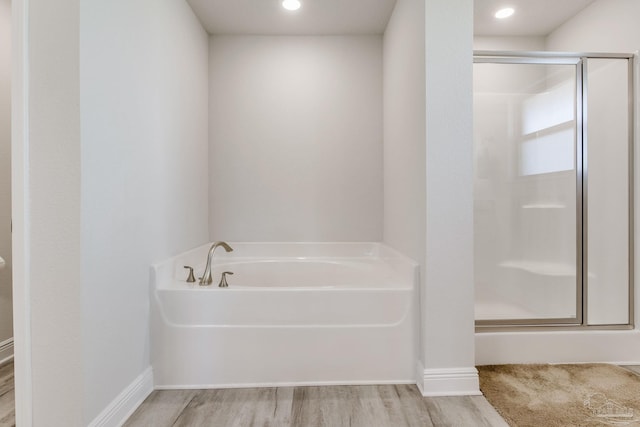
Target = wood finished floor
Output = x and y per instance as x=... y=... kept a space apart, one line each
x=331 y=406
x=334 y=406
x=634 y=368
x=7 y=405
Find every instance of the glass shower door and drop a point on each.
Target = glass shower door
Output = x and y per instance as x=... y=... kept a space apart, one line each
x=527 y=197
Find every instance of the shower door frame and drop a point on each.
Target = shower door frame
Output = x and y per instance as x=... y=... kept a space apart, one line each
x=580 y=60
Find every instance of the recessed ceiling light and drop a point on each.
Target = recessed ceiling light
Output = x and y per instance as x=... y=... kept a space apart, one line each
x=291 y=4
x=504 y=13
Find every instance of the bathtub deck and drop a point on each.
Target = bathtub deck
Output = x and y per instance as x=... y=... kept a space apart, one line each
x=334 y=406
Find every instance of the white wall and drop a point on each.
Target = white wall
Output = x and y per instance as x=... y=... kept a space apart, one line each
x=144 y=173
x=428 y=158
x=604 y=26
x=46 y=203
x=107 y=179
x=508 y=43
x=404 y=141
x=404 y=130
x=296 y=138
x=6 y=303
x=448 y=297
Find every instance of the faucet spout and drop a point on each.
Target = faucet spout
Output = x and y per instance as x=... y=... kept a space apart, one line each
x=206 y=278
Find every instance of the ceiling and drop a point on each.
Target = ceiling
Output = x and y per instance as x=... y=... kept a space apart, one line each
x=314 y=17
x=532 y=17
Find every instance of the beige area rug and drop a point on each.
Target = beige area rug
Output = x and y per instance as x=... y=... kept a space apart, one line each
x=592 y=395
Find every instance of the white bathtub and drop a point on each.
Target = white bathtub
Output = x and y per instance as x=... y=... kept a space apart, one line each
x=294 y=313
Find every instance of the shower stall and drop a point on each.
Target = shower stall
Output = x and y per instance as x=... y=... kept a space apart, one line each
x=553 y=190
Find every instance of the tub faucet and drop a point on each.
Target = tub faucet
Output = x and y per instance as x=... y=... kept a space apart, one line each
x=206 y=278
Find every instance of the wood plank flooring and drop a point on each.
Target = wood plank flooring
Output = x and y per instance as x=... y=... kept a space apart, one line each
x=331 y=406
x=7 y=399
x=334 y=406
x=634 y=368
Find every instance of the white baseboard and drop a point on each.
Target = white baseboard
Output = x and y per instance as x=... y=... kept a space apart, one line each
x=448 y=381
x=278 y=384
x=126 y=402
x=6 y=351
x=500 y=348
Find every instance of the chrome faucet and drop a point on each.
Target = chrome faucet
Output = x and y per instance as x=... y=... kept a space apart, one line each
x=206 y=278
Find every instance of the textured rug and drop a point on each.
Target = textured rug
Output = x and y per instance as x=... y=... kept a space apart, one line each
x=592 y=395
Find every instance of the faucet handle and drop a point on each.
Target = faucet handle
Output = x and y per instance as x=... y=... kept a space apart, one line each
x=191 y=277
x=223 y=280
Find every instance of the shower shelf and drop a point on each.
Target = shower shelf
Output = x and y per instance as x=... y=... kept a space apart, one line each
x=542 y=268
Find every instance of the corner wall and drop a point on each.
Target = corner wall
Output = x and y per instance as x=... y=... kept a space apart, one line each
x=428 y=179
x=404 y=130
x=144 y=164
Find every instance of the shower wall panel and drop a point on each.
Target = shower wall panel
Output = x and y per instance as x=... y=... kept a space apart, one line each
x=608 y=191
